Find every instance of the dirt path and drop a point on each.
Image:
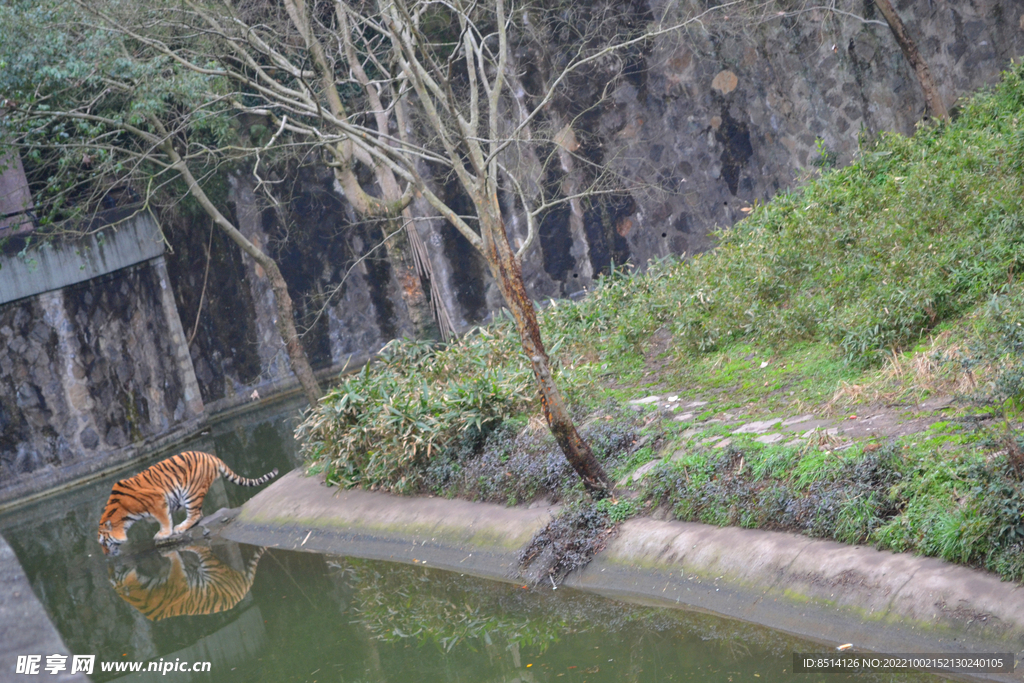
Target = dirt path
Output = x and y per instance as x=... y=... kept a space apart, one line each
x=872 y=422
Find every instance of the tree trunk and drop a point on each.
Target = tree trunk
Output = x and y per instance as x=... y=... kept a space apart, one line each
x=506 y=270
x=408 y=285
x=286 y=328
x=933 y=102
x=285 y=315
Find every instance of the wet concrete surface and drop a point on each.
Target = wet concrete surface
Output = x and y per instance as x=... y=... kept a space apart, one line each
x=879 y=601
x=826 y=591
x=25 y=628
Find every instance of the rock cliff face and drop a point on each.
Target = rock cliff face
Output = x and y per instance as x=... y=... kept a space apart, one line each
x=731 y=112
x=700 y=124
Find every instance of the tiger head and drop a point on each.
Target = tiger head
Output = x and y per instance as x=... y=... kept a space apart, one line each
x=112 y=533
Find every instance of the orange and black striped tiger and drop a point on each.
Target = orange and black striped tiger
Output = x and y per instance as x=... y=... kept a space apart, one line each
x=180 y=481
x=185 y=587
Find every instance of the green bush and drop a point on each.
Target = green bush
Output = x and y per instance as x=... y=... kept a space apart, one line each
x=381 y=427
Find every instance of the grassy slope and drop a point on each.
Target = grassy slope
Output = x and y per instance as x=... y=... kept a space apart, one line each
x=884 y=282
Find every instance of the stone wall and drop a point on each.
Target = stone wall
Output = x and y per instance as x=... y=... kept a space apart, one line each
x=339 y=284
x=90 y=375
x=729 y=111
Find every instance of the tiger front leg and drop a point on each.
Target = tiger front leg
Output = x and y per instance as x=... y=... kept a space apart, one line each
x=163 y=516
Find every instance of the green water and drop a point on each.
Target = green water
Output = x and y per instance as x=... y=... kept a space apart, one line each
x=309 y=617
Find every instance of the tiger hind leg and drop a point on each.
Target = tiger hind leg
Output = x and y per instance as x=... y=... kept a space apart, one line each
x=193 y=513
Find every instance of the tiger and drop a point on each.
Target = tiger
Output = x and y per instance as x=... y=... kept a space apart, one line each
x=180 y=481
x=187 y=587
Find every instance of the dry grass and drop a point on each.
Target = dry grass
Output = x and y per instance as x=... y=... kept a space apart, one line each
x=822 y=440
x=910 y=375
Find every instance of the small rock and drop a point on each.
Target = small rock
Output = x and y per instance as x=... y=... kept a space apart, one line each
x=662 y=513
x=723 y=443
x=89 y=438
x=643 y=401
x=696 y=404
x=725 y=82
x=757 y=427
x=684 y=417
x=642 y=471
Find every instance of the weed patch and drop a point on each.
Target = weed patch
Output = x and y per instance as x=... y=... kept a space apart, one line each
x=830 y=497
x=519 y=460
x=568 y=542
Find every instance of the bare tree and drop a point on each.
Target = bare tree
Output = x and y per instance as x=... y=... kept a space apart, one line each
x=450 y=62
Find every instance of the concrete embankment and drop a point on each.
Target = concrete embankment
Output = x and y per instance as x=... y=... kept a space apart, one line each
x=25 y=628
x=827 y=592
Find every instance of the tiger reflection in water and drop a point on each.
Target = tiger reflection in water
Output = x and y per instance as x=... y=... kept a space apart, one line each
x=183 y=581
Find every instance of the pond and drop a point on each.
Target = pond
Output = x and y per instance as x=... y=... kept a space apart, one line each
x=271 y=615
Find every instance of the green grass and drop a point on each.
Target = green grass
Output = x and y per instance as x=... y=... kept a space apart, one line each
x=890 y=281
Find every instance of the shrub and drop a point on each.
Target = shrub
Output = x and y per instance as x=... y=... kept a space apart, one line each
x=381 y=427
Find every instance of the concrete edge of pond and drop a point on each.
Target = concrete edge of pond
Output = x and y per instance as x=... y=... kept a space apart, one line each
x=25 y=628
x=825 y=591
x=301 y=513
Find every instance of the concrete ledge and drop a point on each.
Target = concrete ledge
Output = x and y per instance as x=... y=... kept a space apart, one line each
x=827 y=592
x=49 y=480
x=835 y=593
x=301 y=513
x=25 y=628
x=49 y=266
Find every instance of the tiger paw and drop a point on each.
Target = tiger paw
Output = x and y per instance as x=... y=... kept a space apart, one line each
x=172 y=538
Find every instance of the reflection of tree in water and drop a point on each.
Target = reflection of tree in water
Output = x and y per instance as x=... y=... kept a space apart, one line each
x=439 y=607
x=181 y=582
x=398 y=603
x=448 y=609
